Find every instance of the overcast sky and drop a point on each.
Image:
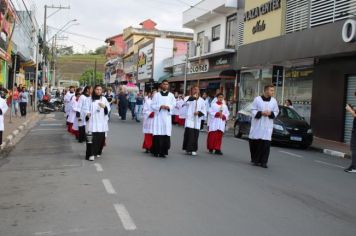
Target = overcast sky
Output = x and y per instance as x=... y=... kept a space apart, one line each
x=104 y=18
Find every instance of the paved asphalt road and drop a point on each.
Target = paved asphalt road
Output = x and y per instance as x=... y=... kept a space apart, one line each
x=48 y=189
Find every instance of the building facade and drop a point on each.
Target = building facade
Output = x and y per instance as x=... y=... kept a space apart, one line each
x=309 y=58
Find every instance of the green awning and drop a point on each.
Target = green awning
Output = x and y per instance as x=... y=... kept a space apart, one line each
x=167 y=76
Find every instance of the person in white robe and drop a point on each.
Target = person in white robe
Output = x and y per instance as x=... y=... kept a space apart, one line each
x=162 y=106
x=3 y=108
x=97 y=119
x=81 y=112
x=195 y=111
x=264 y=110
x=148 y=115
x=67 y=99
x=218 y=115
x=71 y=120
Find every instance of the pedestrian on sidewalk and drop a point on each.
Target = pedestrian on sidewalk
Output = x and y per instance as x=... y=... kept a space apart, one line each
x=132 y=104
x=24 y=97
x=219 y=113
x=98 y=122
x=195 y=111
x=148 y=115
x=139 y=106
x=264 y=110
x=3 y=109
x=352 y=167
x=15 y=101
x=162 y=105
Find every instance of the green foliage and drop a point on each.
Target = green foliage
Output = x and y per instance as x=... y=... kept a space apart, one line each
x=87 y=78
x=100 y=50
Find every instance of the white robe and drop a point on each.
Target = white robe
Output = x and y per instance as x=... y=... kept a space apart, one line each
x=191 y=120
x=72 y=113
x=218 y=123
x=83 y=108
x=147 y=121
x=98 y=121
x=182 y=109
x=262 y=128
x=3 y=107
x=162 y=122
x=176 y=108
x=67 y=99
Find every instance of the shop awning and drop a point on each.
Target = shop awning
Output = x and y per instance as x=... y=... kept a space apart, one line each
x=167 y=76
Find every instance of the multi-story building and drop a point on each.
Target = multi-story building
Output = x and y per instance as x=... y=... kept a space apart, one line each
x=218 y=32
x=307 y=49
x=114 y=67
x=136 y=38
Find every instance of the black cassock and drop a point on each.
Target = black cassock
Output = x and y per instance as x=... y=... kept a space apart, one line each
x=259 y=150
x=190 y=142
x=161 y=144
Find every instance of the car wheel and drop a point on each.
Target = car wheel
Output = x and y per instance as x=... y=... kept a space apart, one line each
x=237 y=131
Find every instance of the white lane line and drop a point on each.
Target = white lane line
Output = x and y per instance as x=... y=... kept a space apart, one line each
x=98 y=167
x=108 y=186
x=328 y=164
x=291 y=154
x=125 y=217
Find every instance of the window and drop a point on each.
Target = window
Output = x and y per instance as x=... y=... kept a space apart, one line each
x=200 y=36
x=216 y=33
x=231 y=31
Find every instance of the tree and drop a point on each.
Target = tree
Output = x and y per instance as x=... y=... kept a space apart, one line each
x=100 y=50
x=87 y=78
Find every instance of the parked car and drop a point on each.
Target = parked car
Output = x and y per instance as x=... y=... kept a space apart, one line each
x=289 y=127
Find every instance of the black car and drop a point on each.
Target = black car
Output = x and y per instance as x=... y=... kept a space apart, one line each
x=289 y=127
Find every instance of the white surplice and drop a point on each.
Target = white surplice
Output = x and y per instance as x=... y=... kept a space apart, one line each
x=218 y=123
x=83 y=108
x=67 y=102
x=181 y=109
x=191 y=120
x=162 y=124
x=72 y=112
x=262 y=128
x=98 y=121
x=147 y=121
x=3 y=107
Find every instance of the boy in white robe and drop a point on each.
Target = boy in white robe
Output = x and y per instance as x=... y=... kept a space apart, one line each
x=147 y=128
x=162 y=106
x=3 y=109
x=264 y=110
x=218 y=115
x=195 y=111
x=67 y=99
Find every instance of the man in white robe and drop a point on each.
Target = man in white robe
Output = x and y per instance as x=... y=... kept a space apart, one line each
x=67 y=99
x=195 y=111
x=3 y=109
x=264 y=110
x=148 y=117
x=162 y=106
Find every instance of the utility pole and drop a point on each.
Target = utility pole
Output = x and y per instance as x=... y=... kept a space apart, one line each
x=13 y=85
x=94 y=80
x=54 y=54
x=45 y=32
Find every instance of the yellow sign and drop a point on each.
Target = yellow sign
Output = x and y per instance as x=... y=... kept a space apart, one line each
x=263 y=20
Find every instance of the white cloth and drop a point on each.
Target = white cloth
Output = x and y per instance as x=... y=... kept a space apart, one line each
x=162 y=122
x=182 y=109
x=176 y=107
x=72 y=113
x=147 y=121
x=218 y=123
x=3 y=107
x=262 y=128
x=67 y=99
x=83 y=108
x=207 y=107
x=98 y=121
x=191 y=120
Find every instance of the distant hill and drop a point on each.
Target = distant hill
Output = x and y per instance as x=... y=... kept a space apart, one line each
x=71 y=67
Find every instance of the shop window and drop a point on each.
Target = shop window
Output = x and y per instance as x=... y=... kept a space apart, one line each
x=216 y=33
x=231 y=31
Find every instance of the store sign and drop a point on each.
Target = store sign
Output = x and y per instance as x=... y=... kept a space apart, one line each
x=221 y=63
x=178 y=69
x=264 y=9
x=199 y=67
x=349 y=31
x=144 y=65
x=259 y=27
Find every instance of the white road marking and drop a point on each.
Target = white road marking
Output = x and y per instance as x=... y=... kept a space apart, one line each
x=125 y=217
x=328 y=164
x=291 y=154
x=108 y=186
x=99 y=168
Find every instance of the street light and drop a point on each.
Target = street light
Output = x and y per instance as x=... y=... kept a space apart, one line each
x=63 y=28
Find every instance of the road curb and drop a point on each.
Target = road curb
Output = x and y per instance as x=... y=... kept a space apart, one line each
x=332 y=153
x=9 y=140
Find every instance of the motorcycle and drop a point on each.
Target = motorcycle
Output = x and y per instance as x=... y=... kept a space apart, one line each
x=54 y=104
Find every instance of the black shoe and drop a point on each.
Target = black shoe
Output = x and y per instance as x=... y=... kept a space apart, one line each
x=350 y=170
x=264 y=166
x=211 y=151
x=256 y=164
x=218 y=152
x=155 y=155
x=162 y=156
x=147 y=151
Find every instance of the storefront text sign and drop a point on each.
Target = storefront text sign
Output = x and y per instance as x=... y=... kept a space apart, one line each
x=349 y=31
x=265 y=8
x=259 y=27
x=199 y=67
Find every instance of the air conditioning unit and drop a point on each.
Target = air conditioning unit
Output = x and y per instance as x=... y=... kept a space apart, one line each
x=191 y=49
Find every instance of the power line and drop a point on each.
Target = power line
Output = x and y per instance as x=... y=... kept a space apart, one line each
x=79 y=35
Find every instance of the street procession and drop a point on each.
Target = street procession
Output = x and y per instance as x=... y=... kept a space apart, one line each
x=178 y=118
